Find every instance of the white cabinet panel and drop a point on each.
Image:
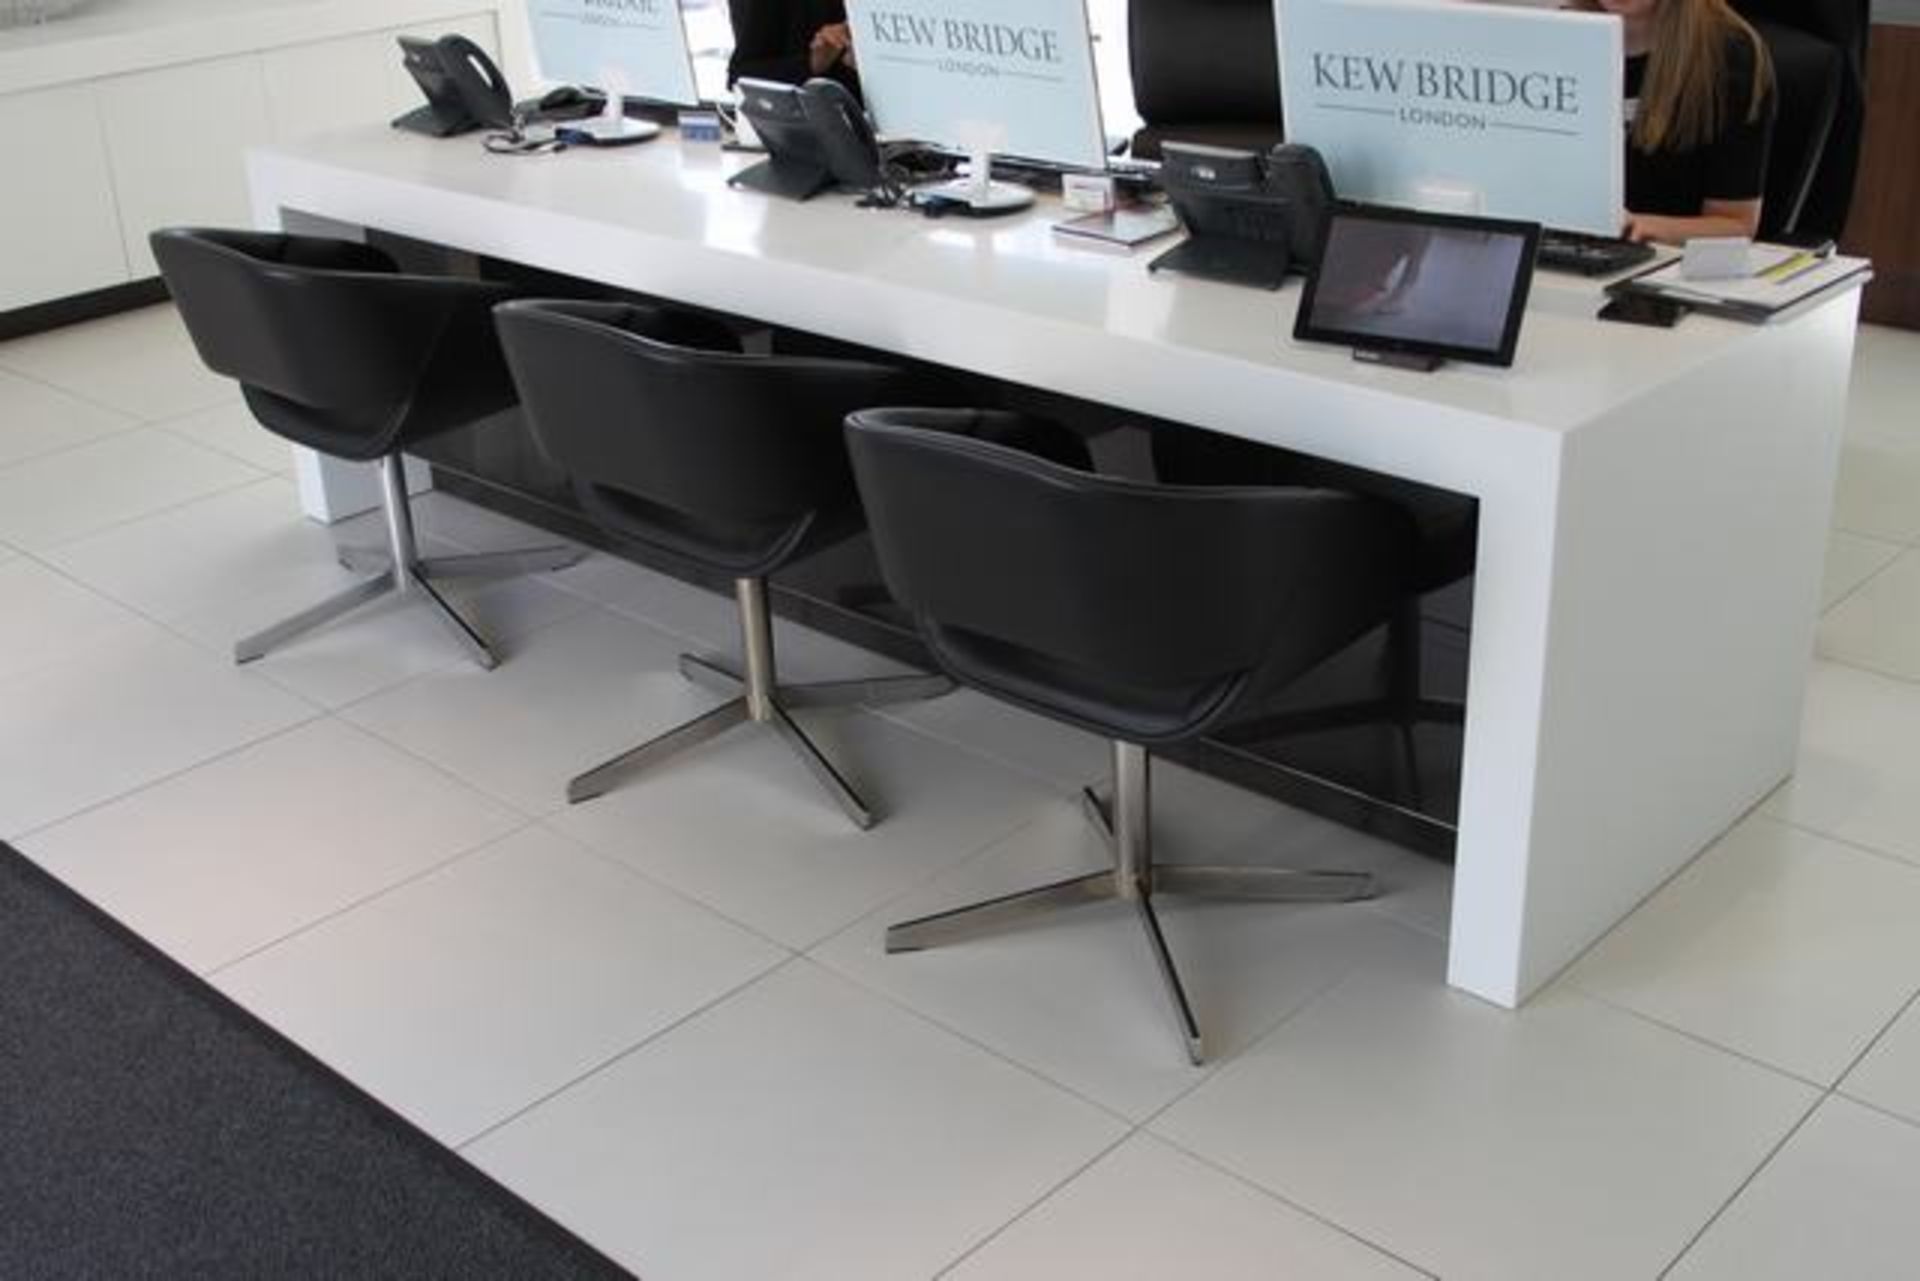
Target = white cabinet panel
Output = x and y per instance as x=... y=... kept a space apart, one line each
x=334 y=84
x=177 y=140
x=58 y=231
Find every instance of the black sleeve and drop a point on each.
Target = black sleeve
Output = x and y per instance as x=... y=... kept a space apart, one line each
x=1734 y=165
x=770 y=37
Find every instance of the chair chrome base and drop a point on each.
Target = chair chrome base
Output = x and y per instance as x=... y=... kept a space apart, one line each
x=755 y=695
x=401 y=570
x=1124 y=824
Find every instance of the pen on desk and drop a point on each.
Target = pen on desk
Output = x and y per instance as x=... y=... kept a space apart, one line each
x=1804 y=261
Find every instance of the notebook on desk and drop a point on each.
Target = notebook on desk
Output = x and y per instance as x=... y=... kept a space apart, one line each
x=1754 y=298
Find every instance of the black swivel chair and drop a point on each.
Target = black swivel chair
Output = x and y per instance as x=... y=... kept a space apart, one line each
x=676 y=440
x=336 y=350
x=1819 y=60
x=1204 y=71
x=1143 y=613
x=1446 y=540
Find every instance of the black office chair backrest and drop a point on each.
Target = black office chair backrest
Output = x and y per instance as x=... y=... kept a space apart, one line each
x=1204 y=71
x=1819 y=57
x=331 y=344
x=1108 y=600
x=672 y=435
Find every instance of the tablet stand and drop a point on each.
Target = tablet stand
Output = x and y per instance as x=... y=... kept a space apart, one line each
x=1419 y=362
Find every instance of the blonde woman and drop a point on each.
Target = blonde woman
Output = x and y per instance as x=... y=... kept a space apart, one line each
x=1700 y=109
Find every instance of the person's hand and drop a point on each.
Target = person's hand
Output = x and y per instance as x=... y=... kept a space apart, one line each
x=831 y=45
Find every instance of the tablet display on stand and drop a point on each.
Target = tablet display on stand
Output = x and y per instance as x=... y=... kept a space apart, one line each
x=1413 y=289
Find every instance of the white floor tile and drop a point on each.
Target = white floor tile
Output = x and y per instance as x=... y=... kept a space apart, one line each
x=1851 y=561
x=226 y=858
x=1879 y=476
x=37 y=419
x=465 y=996
x=243 y=546
x=124 y=714
x=1150 y=1212
x=800 y=1129
x=1776 y=943
x=232 y=429
x=1889 y=1077
x=140 y=363
x=1878 y=626
x=59 y=497
x=1837 y=1201
x=743 y=827
x=1076 y=995
x=573 y=695
x=1886 y=383
x=1858 y=776
x=46 y=618
x=1569 y=1140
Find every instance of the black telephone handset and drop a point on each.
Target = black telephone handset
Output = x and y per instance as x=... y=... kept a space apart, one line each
x=845 y=135
x=464 y=89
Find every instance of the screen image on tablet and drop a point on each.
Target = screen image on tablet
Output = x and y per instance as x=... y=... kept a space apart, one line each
x=1422 y=284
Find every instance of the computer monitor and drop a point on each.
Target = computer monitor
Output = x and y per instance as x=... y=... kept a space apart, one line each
x=1010 y=78
x=1460 y=108
x=633 y=49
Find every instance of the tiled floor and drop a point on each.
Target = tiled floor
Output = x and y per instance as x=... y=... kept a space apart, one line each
x=666 y=1017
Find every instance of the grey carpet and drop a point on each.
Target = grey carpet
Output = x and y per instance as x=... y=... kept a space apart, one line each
x=149 y=1127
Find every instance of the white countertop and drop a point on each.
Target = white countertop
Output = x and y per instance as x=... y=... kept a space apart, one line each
x=1570 y=368
x=1905 y=13
x=114 y=37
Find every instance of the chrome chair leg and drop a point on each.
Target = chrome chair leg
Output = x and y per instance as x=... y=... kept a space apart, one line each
x=996 y=914
x=596 y=781
x=1266 y=884
x=1123 y=821
x=263 y=642
x=823 y=769
x=401 y=569
x=524 y=560
x=1189 y=1027
x=470 y=640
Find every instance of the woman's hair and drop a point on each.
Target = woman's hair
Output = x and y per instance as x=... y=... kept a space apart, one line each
x=1683 y=100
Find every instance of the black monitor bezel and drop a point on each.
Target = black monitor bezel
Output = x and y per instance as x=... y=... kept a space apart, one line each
x=1304 y=330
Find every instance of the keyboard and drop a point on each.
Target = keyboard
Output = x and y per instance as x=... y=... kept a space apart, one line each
x=1588 y=255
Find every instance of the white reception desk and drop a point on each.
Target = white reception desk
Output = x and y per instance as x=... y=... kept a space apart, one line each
x=1654 y=503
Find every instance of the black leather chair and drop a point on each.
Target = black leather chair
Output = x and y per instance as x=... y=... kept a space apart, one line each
x=1446 y=542
x=336 y=350
x=1819 y=59
x=674 y=439
x=1143 y=613
x=1204 y=71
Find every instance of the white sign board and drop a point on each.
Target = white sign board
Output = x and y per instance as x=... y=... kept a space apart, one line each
x=1463 y=108
x=634 y=48
x=1014 y=77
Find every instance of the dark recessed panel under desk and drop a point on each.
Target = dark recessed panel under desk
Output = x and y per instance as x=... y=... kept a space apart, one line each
x=1326 y=744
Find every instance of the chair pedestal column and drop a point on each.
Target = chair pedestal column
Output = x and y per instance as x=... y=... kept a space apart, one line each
x=404 y=572
x=754 y=695
x=1125 y=826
